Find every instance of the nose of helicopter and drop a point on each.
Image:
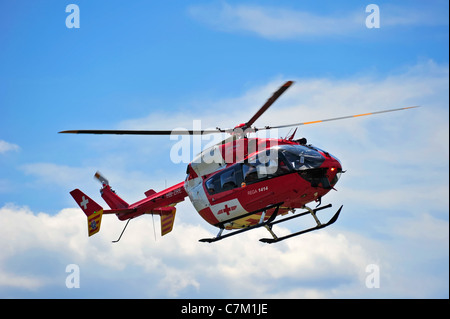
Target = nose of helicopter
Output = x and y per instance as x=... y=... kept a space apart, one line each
x=334 y=169
x=313 y=164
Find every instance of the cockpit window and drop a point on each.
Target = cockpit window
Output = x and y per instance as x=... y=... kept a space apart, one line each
x=225 y=180
x=229 y=179
x=301 y=157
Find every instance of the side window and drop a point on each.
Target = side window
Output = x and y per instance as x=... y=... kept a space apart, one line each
x=250 y=173
x=228 y=179
x=255 y=170
x=210 y=187
x=267 y=170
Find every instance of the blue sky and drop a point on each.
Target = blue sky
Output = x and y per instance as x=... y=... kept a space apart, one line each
x=160 y=65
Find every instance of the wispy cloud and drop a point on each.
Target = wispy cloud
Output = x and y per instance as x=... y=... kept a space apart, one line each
x=272 y=22
x=278 y=23
x=8 y=147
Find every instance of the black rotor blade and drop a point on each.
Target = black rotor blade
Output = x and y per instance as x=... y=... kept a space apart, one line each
x=269 y=102
x=143 y=132
x=335 y=118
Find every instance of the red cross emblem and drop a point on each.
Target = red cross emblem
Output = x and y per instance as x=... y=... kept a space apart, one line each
x=226 y=209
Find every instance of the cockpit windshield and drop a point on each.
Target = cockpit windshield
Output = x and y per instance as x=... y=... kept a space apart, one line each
x=301 y=157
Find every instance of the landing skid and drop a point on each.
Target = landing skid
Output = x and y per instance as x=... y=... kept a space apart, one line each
x=276 y=239
x=270 y=222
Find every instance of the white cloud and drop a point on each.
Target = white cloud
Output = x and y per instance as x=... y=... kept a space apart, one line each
x=425 y=227
x=324 y=264
x=23 y=282
x=273 y=22
x=287 y=23
x=8 y=147
x=174 y=264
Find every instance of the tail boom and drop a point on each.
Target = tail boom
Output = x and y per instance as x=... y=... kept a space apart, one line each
x=112 y=199
x=157 y=203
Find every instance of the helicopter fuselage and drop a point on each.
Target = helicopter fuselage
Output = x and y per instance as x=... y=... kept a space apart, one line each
x=260 y=175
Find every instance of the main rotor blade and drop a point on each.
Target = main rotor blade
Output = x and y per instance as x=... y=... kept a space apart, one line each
x=336 y=118
x=269 y=102
x=144 y=132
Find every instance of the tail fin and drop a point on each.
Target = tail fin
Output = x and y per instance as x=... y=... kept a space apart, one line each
x=167 y=218
x=92 y=210
x=167 y=221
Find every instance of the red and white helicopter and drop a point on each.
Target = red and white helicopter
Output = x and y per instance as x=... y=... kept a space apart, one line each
x=240 y=184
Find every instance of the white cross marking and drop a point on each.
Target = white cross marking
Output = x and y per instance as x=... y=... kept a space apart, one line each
x=84 y=202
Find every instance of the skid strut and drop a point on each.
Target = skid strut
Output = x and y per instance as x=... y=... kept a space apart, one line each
x=270 y=222
x=260 y=224
x=116 y=241
x=276 y=239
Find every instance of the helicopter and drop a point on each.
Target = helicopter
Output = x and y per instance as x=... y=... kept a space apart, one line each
x=237 y=185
